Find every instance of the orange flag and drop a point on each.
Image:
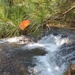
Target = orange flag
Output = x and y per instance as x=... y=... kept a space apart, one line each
x=24 y=24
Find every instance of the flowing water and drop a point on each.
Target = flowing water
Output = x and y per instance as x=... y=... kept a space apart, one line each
x=54 y=61
x=58 y=53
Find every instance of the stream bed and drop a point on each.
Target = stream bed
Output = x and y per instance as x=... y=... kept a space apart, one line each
x=50 y=55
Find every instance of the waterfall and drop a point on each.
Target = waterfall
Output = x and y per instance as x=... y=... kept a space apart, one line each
x=57 y=58
x=51 y=55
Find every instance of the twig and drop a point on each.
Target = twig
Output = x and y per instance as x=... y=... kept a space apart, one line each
x=60 y=17
x=73 y=7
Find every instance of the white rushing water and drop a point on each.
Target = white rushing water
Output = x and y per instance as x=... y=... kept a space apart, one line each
x=53 y=62
x=46 y=65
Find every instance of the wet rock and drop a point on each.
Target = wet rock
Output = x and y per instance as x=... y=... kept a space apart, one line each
x=71 y=70
x=14 y=59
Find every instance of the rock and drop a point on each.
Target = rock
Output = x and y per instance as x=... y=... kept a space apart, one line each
x=71 y=70
x=14 y=59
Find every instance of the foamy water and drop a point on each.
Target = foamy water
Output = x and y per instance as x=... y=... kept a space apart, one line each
x=52 y=63
x=46 y=65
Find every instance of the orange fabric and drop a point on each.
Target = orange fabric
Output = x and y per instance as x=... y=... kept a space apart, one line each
x=24 y=24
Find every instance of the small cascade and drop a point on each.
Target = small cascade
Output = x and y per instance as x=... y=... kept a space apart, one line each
x=54 y=62
x=51 y=55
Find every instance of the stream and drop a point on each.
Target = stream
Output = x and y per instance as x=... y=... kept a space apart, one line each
x=50 y=55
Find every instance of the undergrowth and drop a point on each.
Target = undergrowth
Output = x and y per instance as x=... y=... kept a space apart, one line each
x=12 y=12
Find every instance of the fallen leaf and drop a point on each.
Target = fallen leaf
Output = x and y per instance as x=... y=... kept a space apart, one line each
x=24 y=24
